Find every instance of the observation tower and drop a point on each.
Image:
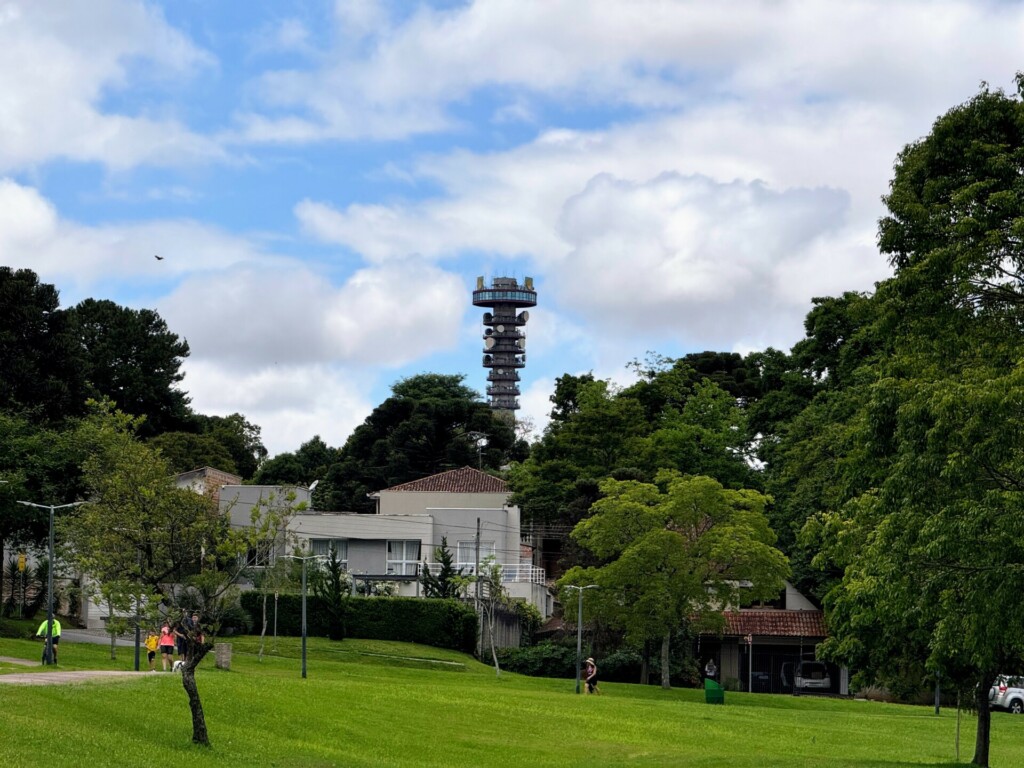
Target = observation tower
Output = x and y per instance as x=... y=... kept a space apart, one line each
x=504 y=337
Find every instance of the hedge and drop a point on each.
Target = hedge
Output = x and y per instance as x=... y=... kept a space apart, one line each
x=440 y=623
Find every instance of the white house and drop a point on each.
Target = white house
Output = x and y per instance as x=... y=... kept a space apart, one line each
x=410 y=522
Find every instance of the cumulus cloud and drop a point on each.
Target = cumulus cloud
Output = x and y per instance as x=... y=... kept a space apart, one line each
x=58 y=62
x=269 y=336
x=290 y=315
x=688 y=257
x=389 y=78
x=290 y=403
x=79 y=257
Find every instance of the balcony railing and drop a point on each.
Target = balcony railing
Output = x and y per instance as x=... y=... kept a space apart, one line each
x=522 y=573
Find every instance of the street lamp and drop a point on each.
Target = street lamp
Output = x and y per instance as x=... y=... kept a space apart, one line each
x=48 y=651
x=304 y=559
x=579 y=629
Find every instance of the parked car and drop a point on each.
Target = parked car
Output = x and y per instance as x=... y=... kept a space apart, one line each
x=1007 y=693
x=811 y=676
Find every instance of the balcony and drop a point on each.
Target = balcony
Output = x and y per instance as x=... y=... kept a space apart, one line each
x=510 y=574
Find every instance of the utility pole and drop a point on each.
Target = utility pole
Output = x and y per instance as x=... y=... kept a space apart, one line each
x=304 y=559
x=579 y=629
x=48 y=650
x=479 y=613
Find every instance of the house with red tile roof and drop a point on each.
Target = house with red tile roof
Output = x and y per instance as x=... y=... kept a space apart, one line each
x=465 y=507
x=759 y=648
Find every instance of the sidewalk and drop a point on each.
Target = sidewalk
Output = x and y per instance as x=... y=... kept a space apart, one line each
x=54 y=678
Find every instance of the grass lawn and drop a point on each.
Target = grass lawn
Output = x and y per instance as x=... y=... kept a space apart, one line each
x=372 y=703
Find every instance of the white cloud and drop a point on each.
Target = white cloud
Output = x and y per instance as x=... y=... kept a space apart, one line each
x=290 y=403
x=388 y=79
x=689 y=258
x=79 y=258
x=289 y=315
x=59 y=61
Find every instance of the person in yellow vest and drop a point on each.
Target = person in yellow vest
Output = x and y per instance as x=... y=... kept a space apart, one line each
x=152 y=643
x=41 y=632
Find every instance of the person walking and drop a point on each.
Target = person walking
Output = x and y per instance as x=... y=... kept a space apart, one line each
x=181 y=630
x=152 y=644
x=710 y=670
x=590 y=672
x=166 y=648
x=55 y=634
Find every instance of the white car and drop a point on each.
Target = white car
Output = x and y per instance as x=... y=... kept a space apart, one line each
x=1007 y=693
x=812 y=676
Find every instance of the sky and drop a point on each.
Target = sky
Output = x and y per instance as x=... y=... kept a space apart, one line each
x=326 y=180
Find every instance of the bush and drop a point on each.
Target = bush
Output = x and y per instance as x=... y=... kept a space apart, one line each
x=440 y=623
x=621 y=666
x=543 y=660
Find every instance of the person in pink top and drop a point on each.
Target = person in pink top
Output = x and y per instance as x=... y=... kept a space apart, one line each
x=166 y=647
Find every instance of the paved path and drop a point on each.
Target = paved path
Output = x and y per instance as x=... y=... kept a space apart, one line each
x=59 y=678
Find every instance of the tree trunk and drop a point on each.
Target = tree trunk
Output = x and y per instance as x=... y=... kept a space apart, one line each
x=3 y=564
x=666 y=673
x=494 y=653
x=981 y=743
x=195 y=653
x=645 y=665
x=263 y=631
x=111 y=630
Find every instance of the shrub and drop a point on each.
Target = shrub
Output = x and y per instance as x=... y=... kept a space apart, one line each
x=542 y=660
x=440 y=623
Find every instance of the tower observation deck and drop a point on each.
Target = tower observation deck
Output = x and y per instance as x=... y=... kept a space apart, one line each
x=504 y=336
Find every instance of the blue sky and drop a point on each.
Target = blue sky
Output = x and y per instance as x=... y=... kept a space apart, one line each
x=326 y=179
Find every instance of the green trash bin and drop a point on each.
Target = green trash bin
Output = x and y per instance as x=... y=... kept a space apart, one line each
x=713 y=692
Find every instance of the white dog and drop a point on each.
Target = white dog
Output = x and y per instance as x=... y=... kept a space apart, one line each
x=176 y=666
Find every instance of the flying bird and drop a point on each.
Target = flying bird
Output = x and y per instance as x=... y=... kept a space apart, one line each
x=158 y=258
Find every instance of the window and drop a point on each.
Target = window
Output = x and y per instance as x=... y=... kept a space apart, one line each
x=323 y=547
x=467 y=553
x=262 y=555
x=403 y=557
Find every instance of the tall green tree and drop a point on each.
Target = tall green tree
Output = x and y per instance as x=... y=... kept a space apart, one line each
x=933 y=556
x=240 y=438
x=134 y=360
x=42 y=362
x=430 y=424
x=675 y=552
x=184 y=451
x=37 y=464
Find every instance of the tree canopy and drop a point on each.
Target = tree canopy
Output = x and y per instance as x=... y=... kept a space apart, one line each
x=431 y=423
x=931 y=552
x=674 y=553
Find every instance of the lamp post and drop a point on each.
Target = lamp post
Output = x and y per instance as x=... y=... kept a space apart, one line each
x=579 y=629
x=48 y=651
x=304 y=559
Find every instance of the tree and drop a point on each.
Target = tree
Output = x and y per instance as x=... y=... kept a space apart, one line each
x=185 y=451
x=448 y=581
x=141 y=535
x=333 y=586
x=134 y=360
x=44 y=371
x=37 y=463
x=675 y=553
x=427 y=426
x=493 y=597
x=240 y=438
x=931 y=556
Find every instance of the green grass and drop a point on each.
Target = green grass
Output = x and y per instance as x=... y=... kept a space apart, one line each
x=373 y=703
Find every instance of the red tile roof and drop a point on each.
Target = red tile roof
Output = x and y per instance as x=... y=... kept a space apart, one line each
x=775 y=623
x=464 y=480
